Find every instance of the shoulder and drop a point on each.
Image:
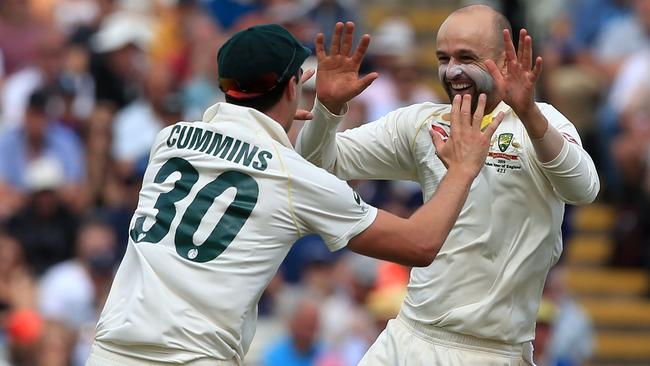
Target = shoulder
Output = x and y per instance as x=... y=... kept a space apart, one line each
x=413 y=118
x=551 y=113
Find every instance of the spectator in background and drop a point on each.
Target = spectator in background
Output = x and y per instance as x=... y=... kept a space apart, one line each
x=136 y=126
x=73 y=292
x=327 y=12
x=37 y=140
x=117 y=63
x=20 y=35
x=391 y=53
x=43 y=74
x=571 y=338
x=56 y=345
x=621 y=37
x=301 y=346
x=46 y=226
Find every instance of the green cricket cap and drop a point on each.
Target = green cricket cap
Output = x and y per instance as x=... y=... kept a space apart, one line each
x=256 y=60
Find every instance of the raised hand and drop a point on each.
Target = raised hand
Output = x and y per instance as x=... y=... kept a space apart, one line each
x=337 y=75
x=517 y=85
x=467 y=147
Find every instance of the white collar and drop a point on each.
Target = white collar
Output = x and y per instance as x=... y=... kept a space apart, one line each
x=254 y=119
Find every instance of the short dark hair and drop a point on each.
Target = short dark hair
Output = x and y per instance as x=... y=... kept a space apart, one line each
x=264 y=102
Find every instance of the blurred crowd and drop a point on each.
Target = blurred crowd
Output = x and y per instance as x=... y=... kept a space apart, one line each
x=85 y=85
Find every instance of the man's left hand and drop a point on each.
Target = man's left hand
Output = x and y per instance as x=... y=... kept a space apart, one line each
x=517 y=84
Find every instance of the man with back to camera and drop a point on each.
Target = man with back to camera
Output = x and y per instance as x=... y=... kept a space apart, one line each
x=476 y=303
x=224 y=198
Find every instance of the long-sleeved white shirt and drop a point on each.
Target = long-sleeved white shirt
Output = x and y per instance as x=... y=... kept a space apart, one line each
x=487 y=279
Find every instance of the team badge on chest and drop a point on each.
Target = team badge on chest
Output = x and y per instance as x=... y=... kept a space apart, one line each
x=504 y=141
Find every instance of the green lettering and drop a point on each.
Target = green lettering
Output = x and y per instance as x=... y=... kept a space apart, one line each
x=262 y=164
x=244 y=153
x=171 y=140
x=184 y=139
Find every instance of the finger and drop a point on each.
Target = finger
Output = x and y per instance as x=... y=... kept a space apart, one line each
x=335 y=46
x=527 y=57
x=466 y=111
x=347 y=39
x=307 y=75
x=494 y=71
x=358 y=55
x=520 y=45
x=479 y=112
x=320 y=46
x=492 y=127
x=366 y=81
x=537 y=70
x=511 y=54
x=303 y=115
x=455 y=114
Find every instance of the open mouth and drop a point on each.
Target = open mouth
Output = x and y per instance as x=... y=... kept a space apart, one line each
x=460 y=86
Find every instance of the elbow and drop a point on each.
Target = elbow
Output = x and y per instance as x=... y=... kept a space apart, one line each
x=583 y=197
x=426 y=253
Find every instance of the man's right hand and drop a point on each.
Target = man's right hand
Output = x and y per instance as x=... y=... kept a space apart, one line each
x=466 y=149
x=337 y=75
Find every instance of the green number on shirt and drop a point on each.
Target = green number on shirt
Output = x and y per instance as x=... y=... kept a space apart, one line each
x=224 y=231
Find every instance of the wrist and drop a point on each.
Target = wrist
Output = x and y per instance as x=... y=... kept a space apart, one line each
x=535 y=123
x=462 y=175
x=333 y=107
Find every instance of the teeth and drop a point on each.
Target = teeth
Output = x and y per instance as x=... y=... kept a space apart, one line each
x=460 y=86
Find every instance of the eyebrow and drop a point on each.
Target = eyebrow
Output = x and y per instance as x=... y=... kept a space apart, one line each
x=461 y=52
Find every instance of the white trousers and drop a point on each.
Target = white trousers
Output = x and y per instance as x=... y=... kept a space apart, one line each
x=102 y=357
x=407 y=343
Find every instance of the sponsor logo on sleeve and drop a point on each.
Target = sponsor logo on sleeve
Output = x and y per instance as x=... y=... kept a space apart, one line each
x=441 y=131
x=569 y=138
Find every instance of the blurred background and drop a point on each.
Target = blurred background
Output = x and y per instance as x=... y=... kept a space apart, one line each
x=85 y=85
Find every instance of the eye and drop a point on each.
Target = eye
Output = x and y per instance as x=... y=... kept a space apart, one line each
x=443 y=59
x=466 y=59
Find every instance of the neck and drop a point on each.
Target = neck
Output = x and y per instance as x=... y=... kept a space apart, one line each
x=281 y=116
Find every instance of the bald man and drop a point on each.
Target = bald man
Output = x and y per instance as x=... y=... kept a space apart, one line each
x=476 y=303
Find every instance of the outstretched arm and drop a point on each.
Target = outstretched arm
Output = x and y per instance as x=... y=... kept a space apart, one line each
x=416 y=241
x=377 y=150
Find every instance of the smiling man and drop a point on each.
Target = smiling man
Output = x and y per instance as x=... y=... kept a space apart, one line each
x=476 y=303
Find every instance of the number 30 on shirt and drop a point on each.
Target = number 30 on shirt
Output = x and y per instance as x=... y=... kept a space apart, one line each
x=224 y=231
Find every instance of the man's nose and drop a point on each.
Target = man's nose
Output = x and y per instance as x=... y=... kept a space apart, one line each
x=453 y=70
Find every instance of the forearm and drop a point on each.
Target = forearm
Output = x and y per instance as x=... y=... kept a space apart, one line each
x=547 y=141
x=572 y=174
x=566 y=165
x=316 y=141
x=417 y=240
x=435 y=219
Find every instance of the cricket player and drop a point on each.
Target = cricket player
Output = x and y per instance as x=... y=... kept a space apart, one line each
x=476 y=303
x=224 y=198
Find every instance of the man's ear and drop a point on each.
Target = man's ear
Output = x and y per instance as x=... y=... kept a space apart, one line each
x=291 y=90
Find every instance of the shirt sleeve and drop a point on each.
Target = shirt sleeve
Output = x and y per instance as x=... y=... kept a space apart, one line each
x=327 y=206
x=572 y=173
x=376 y=150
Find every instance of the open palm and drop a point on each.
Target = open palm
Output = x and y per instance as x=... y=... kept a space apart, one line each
x=517 y=84
x=337 y=75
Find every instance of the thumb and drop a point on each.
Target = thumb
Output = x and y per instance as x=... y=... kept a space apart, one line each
x=366 y=81
x=303 y=115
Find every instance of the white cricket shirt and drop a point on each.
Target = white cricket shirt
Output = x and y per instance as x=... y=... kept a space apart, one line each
x=222 y=202
x=488 y=277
